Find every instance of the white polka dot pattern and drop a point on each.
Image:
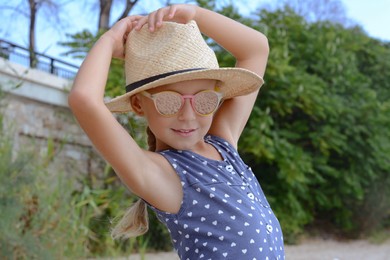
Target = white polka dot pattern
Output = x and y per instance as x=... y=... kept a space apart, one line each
x=224 y=213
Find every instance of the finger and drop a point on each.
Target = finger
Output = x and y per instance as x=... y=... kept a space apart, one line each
x=132 y=22
x=172 y=11
x=128 y=22
x=160 y=15
x=137 y=18
x=141 y=22
x=152 y=20
x=132 y=25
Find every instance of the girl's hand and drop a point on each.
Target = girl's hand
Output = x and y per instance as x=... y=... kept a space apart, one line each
x=119 y=33
x=181 y=13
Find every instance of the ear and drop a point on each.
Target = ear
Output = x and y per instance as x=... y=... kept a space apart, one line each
x=135 y=102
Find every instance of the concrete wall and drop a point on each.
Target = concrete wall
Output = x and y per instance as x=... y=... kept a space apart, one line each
x=35 y=111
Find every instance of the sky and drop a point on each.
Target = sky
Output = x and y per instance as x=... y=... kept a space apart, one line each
x=372 y=15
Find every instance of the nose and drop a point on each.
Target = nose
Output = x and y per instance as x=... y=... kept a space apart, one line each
x=187 y=112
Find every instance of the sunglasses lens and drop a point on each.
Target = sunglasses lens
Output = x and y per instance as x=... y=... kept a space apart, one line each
x=206 y=102
x=168 y=103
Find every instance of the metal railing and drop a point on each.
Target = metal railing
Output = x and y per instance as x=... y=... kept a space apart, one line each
x=21 y=55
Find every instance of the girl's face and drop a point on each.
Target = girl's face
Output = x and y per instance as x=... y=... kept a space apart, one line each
x=184 y=130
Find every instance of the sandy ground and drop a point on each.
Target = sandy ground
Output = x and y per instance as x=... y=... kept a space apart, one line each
x=315 y=249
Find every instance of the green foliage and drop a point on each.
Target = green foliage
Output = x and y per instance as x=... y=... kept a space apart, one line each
x=317 y=136
x=35 y=216
x=95 y=204
x=80 y=44
x=373 y=58
x=208 y=4
x=50 y=217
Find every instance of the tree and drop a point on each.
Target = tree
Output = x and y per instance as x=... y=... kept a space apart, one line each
x=105 y=11
x=316 y=137
x=48 y=9
x=35 y=6
x=316 y=10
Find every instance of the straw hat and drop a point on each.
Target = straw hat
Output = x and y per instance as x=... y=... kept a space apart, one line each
x=176 y=52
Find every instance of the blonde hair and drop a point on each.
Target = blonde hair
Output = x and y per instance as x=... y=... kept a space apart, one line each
x=135 y=221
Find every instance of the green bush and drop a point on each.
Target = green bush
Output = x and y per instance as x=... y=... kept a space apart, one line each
x=97 y=205
x=318 y=136
x=46 y=216
x=35 y=217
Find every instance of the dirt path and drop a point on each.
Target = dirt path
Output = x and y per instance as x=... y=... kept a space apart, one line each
x=315 y=249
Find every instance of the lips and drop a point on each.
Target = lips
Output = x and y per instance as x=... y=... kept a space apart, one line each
x=184 y=132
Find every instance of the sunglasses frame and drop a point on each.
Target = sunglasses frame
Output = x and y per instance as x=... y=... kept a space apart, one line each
x=183 y=98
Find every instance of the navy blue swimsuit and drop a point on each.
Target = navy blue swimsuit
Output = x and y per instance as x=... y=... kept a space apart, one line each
x=224 y=213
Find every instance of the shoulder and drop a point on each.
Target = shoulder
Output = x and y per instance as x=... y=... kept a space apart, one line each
x=163 y=188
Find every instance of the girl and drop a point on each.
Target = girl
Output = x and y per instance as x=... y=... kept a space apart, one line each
x=193 y=177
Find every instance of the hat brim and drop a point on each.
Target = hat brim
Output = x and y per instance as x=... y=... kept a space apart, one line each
x=233 y=82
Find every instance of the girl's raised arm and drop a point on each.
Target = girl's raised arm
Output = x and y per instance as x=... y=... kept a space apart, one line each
x=250 y=48
x=142 y=171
